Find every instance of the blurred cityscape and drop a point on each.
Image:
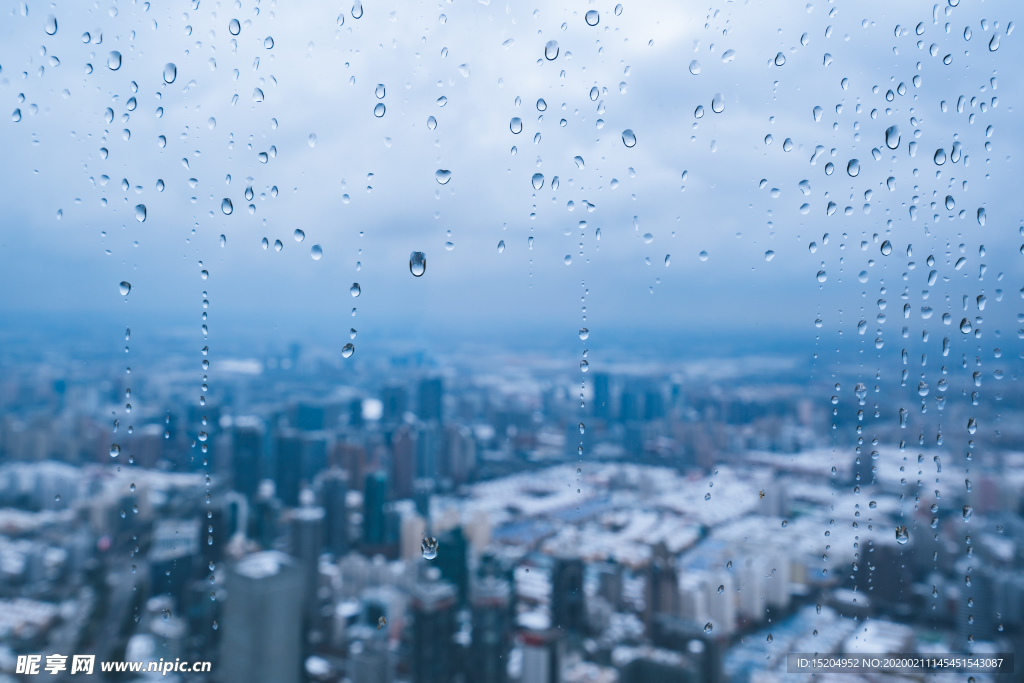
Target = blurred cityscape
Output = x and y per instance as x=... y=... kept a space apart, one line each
x=318 y=519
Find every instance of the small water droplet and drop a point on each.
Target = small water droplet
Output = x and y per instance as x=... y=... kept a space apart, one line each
x=703 y=255
x=718 y=103
x=769 y=255
x=628 y=138
x=940 y=157
x=694 y=67
x=311 y=139
x=537 y=181
x=355 y=290
x=780 y=59
x=501 y=246
x=140 y=213
x=115 y=450
x=379 y=110
x=516 y=125
x=299 y=235
x=124 y=288
x=584 y=365
x=584 y=333
x=822 y=276
x=853 y=168
x=226 y=206
x=429 y=547
x=708 y=627
x=967 y=512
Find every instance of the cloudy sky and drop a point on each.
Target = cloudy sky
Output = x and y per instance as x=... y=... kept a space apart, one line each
x=702 y=88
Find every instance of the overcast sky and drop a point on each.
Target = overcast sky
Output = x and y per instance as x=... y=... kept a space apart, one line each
x=367 y=192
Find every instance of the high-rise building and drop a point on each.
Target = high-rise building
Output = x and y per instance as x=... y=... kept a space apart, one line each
x=266 y=510
x=602 y=396
x=332 y=489
x=394 y=400
x=374 y=500
x=247 y=454
x=262 y=626
x=403 y=460
x=451 y=560
x=491 y=631
x=543 y=653
x=288 y=466
x=428 y=451
x=662 y=587
x=307 y=535
x=433 y=610
x=654 y=404
x=567 y=600
x=173 y=556
x=431 y=396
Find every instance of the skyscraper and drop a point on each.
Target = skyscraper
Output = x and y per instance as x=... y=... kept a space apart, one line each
x=433 y=609
x=374 y=498
x=491 y=630
x=307 y=534
x=602 y=397
x=451 y=560
x=403 y=460
x=332 y=489
x=262 y=626
x=247 y=454
x=431 y=393
x=567 y=606
x=393 y=398
x=288 y=466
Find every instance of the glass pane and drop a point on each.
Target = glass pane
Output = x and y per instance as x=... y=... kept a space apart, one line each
x=470 y=341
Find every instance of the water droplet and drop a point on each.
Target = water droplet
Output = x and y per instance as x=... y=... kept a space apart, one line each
x=115 y=450
x=316 y=252
x=268 y=42
x=257 y=96
x=708 y=627
x=816 y=112
x=578 y=160
x=551 y=50
x=418 y=262
x=431 y=123
x=993 y=44
x=124 y=288
x=311 y=139
x=429 y=547
x=769 y=255
x=51 y=25
x=114 y=61
x=170 y=72
x=972 y=425
x=516 y=125
x=780 y=59
x=694 y=67
x=822 y=276
x=299 y=235
x=892 y=137
x=501 y=246
x=265 y=243
x=967 y=511
x=728 y=56
x=357 y=10
x=223 y=241
x=379 y=110
x=965 y=326
x=718 y=103
x=381 y=622
x=853 y=168
x=16 y=116
x=234 y=27
x=442 y=100
x=592 y=17
x=278 y=245
x=698 y=112
x=442 y=176
x=886 y=248
x=703 y=255
x=542 y=105
x=567 y=260
x=140 y=213
x=355 y=290
x=584 y=365
x=628 y=139
x=347 y=350
x=537 y=181
x=940 y=157
x=226 y=206
x=981 y=216
x=770 y=639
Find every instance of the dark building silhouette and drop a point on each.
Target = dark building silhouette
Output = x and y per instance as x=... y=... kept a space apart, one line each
x=491 y=631
x=662 y=590
x=264 y=515
x=654 y=405
x=247 y=455
x=602 y=397
x=703 y=650
x=307 y=535
x=394 y=400
x=431 y=395
x=452 y=560
x=332 y=490
x=308 y=417
x=567 y=599
x=374 y=500
x=404 y=444
x=288 y=466
x=433 y=610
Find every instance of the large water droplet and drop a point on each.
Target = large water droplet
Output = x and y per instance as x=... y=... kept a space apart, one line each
x=780 y=59
x=584 y=365
x=694 y=67
x=902 y=536
x=347 y=350
x=268 y=42
x=592 y=17
x=226 y=206
x=357 y=10
x=965 y=326
x=584 y=333
x=115 y=450
x=51 y=25
x=516 y=125
x=853 y=168
x=355 y=290
x=822 y=276
x=967 y=512
x=886 y=248
x=316 y=252
x=981 y=216
x=542 y=105
x=170 y=72
x=551 y=50
x=418 y=263
x=537 y=181
x=234 y=27
x=718 y=103
x=442 y=176
x=708 y=627
x=501 y=246
x=299 y=235
x=257 y=96
x=703 y=255
x=892 y=137
x=769 y=255
x=114 y=61
x=379 y=110
x=428 y=546
x=940 y=157
x=125 y=287
x=140 y=213
x=628 y=139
